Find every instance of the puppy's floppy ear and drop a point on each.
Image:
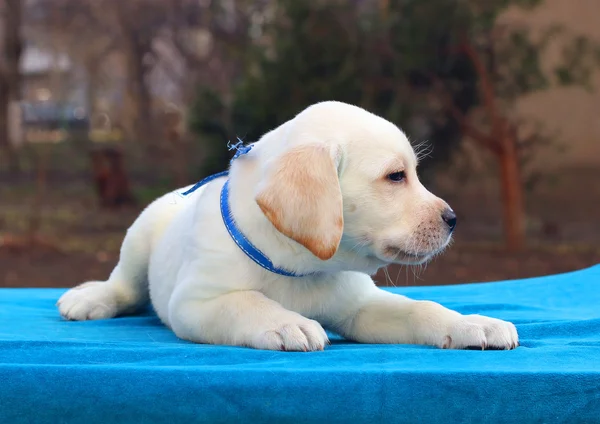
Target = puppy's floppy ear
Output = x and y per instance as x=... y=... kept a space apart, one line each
x=301 y=197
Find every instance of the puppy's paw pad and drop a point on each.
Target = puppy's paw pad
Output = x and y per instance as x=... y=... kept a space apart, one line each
x=89 y=301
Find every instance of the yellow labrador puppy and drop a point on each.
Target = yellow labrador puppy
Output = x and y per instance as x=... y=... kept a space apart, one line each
x=283 y=247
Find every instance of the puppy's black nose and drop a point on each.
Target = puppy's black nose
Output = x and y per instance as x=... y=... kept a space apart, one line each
x=449 y=218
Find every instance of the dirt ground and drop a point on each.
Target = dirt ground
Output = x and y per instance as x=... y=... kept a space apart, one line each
x=460 y=264
x=563 y=233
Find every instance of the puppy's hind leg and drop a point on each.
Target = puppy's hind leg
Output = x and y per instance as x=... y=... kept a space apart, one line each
x=125 y=290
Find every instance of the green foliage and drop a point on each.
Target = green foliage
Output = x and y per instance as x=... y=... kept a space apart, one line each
x=315 y=56
x=385 y=61
x=534 y=136
x=335 y=50
x=518 y=69
x=579 y=59
x=208 y=120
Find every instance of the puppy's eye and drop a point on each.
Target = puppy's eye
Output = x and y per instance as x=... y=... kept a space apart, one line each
x=397 y=176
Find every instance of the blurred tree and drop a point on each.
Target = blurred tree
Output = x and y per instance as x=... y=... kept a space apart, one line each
x=10 y=88
x=90 y=31
x=209 y=36
x=77 y=29
x=138 y=23
x=506 y=59
x=429 y=65
x=213 y=38
x=86 y=31
x=324 y=50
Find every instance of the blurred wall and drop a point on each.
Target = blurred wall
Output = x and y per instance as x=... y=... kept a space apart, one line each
x=573 y=114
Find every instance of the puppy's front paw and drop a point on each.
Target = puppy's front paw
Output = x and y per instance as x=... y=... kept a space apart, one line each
x=92 y=300
x=480 y=332
x=499 y=334
x=293 y=334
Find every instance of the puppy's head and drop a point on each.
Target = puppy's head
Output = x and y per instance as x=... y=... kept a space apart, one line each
x=339 y=178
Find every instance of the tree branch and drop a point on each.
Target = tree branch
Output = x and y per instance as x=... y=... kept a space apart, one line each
x=486 y=87
x=466 y=127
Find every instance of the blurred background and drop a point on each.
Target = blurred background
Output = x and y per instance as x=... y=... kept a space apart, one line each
x=106 y=104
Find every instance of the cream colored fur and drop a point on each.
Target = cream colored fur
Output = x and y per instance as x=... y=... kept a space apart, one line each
x=314 y=196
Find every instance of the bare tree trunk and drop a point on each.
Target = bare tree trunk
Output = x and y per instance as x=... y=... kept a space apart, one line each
x=10 y=87
x=6 y=144
x=136 y=45
x=177 y=147
x=506 y=150
x=35 y=217
x=512 y=195
x=137 y=92
x=91 y=87
x=110 y=177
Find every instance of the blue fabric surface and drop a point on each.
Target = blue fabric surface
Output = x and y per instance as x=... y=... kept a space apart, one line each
x=134 y=370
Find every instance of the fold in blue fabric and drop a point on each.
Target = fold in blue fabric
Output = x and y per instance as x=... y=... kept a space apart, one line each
x=134 y=370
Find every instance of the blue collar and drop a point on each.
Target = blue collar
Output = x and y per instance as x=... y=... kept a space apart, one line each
x=236 y=234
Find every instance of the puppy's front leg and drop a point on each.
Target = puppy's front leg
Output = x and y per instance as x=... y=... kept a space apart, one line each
x=388 y=318
x=244 y=318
